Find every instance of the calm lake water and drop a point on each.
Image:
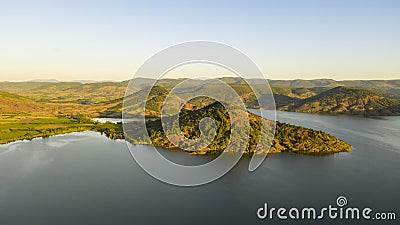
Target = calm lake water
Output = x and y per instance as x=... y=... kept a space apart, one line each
x=85 y=178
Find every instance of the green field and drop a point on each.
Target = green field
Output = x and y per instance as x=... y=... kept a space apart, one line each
x=14 y=127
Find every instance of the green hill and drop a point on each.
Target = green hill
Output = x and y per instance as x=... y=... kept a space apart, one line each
x=288 y=138
x=348 y=100
x=153 y=103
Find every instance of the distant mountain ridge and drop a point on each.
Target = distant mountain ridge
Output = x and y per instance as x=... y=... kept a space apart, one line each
x=387 y=85
x=295 y=95
x=392 y=86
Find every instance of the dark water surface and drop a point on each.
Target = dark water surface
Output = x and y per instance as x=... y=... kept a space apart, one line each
x=85 y=178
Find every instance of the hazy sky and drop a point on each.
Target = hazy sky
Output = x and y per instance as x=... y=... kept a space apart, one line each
x=109 y=40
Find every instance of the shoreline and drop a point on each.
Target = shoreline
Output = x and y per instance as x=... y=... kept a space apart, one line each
x=4 y=142
x=201 y=153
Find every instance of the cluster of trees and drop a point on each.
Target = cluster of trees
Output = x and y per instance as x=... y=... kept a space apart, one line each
x=111 y=130
x=288 y=138
x=303 y=140
x=80 y=118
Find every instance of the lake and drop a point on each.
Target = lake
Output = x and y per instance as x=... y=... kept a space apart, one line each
x=86 y=178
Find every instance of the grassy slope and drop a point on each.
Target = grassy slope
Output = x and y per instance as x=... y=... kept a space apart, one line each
x=63 y=92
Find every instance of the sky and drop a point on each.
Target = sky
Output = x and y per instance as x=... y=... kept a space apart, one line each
x=109 y=40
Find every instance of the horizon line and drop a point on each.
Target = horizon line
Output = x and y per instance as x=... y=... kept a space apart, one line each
x=83 y=81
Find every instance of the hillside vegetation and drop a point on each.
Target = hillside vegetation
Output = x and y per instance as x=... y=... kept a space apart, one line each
x=348 y=100
x=288 y=138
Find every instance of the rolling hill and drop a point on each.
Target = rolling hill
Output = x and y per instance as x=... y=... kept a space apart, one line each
x=348 y=100
x=105 y=98
x=15 y=104
x=12 y=104
x=67 y=92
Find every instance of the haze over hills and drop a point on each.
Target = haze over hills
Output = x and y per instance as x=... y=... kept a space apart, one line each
x=387 y=85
